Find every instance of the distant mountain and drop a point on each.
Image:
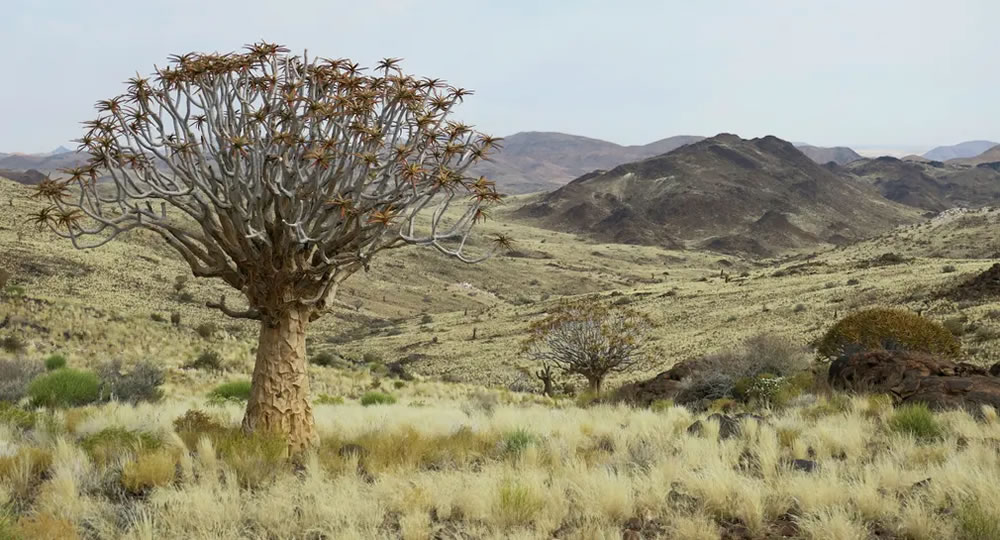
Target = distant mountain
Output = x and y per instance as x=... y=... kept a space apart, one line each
x=961 y=150
x=59 y=150
x=759 y=197
x=44 y=162
x=542 y=161
x=990 y=155
x=841 y=155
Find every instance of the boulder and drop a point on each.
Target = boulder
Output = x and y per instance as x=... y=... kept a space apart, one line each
x=918 y=378
x=644 y=393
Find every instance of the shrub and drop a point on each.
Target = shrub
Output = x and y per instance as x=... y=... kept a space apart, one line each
x=377 y=398
x=156 y=317
x=426 y=318
x=517 y=505
x=256 y=458
x=716 y=376
x=65 y=388
x=398 y=384
x=324 y=359
x=948 y=268
x=372 y=357
x=109 y=444
x=149 y=470
x=916 y=420
x=194 y=424
x=175 y=319
x=15 y=375
x=16 y=417
x=206 y=330
x=516 y=441
x=231 y=391
x=54 y=362
x=207 y=360
x=12 y=344
x=326 y=399
x=45 y=526
x=141 y=383
x=884 y=328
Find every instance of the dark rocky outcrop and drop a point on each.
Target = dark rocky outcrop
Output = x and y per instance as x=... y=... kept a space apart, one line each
x=918 y=378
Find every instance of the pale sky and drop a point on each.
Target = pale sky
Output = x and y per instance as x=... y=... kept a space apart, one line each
x=883 y=74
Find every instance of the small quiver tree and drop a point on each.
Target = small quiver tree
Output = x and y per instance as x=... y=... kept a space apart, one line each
x=281 y=175
x=589 y=339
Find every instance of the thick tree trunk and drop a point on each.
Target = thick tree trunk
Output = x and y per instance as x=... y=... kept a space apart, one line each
x=279 y=394
x=594 y=383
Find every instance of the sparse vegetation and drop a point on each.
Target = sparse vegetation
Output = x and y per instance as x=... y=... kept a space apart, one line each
x=231 y=391
x=377 y=398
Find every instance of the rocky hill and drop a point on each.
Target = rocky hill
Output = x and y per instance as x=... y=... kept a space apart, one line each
x=43 y=162
x=990 y=155
x=759 y=197
x=29 y=177
x=930 y=185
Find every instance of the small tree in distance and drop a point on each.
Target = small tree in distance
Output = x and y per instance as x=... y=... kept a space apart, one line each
x=282 y=175
x=589 y=339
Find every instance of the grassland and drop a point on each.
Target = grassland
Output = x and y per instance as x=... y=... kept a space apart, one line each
x=461 y=456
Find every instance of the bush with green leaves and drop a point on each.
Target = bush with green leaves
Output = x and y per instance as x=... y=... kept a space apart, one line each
x=917 y=420
x=65 y=387
x=516 y=441
x=140 y=383
x=54 y=362
x=15 y=375
x=206 y=330
x=326 y=359
x=887 y=328
x=377 y=398
x=231 y=391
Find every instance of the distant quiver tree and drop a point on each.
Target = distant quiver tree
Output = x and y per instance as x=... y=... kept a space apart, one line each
x=282 y=175
x=587 y=338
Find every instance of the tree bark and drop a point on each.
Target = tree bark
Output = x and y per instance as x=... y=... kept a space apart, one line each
x=594 y=382
x=279 y=392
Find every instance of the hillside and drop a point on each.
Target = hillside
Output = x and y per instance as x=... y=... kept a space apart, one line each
x=841 y=155
x=932 y=185
x=965 y=149
x=46 y=162
x=542 y=161
x=990 y=155
x=758 y=197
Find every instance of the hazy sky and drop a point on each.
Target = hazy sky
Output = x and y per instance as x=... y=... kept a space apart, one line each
x=871 y=72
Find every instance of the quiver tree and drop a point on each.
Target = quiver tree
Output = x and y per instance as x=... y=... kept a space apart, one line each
x=589 y=339
x=282 y=175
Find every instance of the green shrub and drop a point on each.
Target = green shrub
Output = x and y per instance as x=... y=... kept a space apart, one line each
x=377 y=398
x=65 y=388
x=326 y=399
x=109 y=444
x=955 y=325
x=516 y=441
x=194 y=424
x=977 y=523
x=398 y=384
x=916 y=420
x=948 y=268
x=54 y=362
x=372 y=357
x=15 y=375
x=207 y=360
x=231 y=391
x=141 y=383
x=16 y=417
x=884 y=328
